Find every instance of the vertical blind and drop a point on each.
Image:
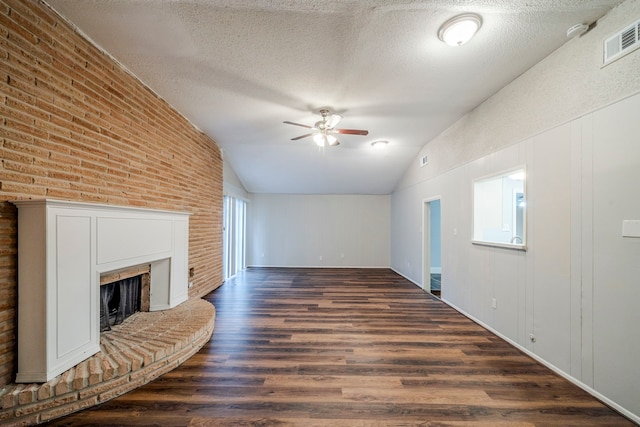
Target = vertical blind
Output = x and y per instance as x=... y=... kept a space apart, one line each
x=235 y=213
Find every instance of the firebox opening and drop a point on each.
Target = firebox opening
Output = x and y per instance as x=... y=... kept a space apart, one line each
x=123 y=293
x=119 y=300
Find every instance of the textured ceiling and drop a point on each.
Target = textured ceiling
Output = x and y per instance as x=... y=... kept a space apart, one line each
x=238 y=68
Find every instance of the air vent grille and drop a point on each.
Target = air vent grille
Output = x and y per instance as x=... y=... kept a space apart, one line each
x=629 y=38
x=621 y=43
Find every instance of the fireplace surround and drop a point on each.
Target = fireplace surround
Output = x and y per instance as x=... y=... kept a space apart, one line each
x=63 y=250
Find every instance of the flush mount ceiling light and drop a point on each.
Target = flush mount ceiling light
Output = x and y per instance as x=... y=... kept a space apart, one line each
x=379 y=144
x=577 y=30
x=459 y=29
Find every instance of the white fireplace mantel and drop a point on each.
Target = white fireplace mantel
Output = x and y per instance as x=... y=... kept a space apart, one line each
x=63 y=247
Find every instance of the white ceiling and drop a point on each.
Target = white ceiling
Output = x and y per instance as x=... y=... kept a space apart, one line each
x=238 y=68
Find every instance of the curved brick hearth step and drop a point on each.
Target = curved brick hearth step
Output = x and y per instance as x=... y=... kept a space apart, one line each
x=144 y=347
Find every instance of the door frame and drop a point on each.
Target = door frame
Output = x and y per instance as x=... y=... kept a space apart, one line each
x=426 y=240
x=234 y=224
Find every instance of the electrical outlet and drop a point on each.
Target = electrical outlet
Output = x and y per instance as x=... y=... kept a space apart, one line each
x=494 y=303
x=532 y=337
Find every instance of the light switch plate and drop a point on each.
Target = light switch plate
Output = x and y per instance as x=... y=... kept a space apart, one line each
x=631 y=228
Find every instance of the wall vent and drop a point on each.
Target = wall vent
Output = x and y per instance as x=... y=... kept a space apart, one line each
x=622 y=43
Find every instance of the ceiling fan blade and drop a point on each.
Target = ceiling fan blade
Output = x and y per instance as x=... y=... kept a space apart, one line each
x=298 y=124
x=351 y=131
x=334 y=120
x=301 y=136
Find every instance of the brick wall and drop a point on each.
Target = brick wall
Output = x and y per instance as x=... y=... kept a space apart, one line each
x=76 y=126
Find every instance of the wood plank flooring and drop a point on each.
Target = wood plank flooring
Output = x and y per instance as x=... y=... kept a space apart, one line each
x=348 y=347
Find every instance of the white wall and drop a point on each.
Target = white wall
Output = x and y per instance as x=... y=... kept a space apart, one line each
x=318 y=230
x=611 y=268
x=232 y=186
x=567 y=84
x=576 y=288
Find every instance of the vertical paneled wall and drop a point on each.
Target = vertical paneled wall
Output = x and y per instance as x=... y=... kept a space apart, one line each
x=76 y=126
x=570 y=121
x=575 y=289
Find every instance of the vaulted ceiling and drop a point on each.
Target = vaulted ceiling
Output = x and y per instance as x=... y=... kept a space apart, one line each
x=238 y=68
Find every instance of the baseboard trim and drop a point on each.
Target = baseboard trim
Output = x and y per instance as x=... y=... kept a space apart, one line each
x=631 y=416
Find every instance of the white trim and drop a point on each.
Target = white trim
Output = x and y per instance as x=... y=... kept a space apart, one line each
x=500 y=245
x=490 y=176
x=426 y=285
x=408 y=278
x=568 y=377
x=318 y=266
x=551 y=366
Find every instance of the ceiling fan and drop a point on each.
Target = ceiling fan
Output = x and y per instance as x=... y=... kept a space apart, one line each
x=323 y=130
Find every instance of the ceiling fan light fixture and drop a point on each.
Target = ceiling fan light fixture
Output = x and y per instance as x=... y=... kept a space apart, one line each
x=460 y=29
x=322 y=131
x=334 y=120
x=331 y=140
x=322 y=139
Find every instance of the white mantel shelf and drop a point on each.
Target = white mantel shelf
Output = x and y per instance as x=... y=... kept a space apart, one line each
x=63 y=248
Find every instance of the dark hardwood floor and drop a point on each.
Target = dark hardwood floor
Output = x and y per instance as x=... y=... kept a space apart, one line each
x=348 y=347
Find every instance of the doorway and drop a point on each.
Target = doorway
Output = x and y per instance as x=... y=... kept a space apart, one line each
x=432 y=247
x=234 y=231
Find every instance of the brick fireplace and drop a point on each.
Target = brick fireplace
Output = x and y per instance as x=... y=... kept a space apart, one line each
x=112 y=141
x=143 y=347
x=65 y=250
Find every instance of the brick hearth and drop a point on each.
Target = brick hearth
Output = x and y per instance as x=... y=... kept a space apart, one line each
x=139 y=350
x=77 y=126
